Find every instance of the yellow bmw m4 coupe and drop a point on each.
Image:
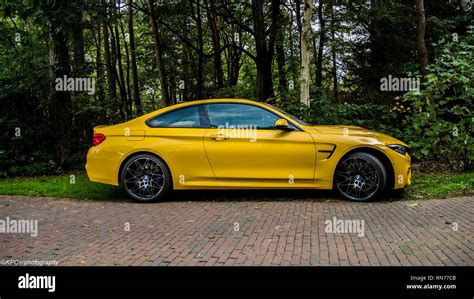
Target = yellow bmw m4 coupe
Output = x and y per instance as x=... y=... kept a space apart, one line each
x=242 y=144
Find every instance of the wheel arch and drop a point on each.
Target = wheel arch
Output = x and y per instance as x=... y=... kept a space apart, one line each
x=134 y=154
x=378 y=154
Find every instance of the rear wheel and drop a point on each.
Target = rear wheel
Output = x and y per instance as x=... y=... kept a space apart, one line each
x=145 y=178
x=360 y=177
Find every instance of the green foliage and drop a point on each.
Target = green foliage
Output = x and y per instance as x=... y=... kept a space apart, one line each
x=387 y=49
x=242 y=91
x=439 y=124
x=29 y=167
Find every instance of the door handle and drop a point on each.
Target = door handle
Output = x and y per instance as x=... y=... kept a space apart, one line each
x=219 y=137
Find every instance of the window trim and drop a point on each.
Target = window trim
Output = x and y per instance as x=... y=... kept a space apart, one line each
x=206 y=116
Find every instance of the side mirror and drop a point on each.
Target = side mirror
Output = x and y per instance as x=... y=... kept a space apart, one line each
x=282 y=124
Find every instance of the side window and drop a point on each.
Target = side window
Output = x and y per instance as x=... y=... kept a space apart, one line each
x=240 y=115
x=188 y=117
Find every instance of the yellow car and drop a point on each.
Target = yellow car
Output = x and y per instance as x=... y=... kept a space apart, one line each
x=242 y=144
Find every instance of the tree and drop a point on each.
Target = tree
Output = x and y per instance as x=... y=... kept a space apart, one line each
x=322 y=36
x=305 y=52
x=78 y=39
x=121 y=82
x=299 y=24
x=133 y=57
x=99 y=65
x=200 y=43
x=420 y=36
x=334 y=51
x=264 y=39
x=159 y=55
x=264 y=49
x=59 y=32
x=233 y=55
x=212 y=18
x=281 y=59
x=110 y=64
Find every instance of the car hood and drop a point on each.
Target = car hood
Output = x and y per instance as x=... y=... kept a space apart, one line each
x=360 y=133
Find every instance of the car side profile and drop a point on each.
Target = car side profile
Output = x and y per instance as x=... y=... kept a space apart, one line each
x=243 y=144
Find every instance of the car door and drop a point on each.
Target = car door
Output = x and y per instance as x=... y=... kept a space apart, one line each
x=242 y=144
x=177 y=137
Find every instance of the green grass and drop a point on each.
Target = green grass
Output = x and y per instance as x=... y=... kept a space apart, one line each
x=59 y=186
x=425 y=186
x=428 y=185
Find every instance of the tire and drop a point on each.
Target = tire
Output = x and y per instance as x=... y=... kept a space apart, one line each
x=145 y=178
x=360 y=177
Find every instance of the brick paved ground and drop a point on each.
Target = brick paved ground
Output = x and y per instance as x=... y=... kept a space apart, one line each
x=234 y=232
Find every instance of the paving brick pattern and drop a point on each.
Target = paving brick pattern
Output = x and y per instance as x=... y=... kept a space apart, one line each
x=76 y=232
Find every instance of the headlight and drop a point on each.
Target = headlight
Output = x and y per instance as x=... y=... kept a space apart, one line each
x=402 y=150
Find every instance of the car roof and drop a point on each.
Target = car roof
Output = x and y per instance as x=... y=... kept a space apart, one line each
x=231 y=100
x=209 y=101
x=198 y=102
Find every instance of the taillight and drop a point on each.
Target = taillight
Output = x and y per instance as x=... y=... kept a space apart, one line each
x=97 y=139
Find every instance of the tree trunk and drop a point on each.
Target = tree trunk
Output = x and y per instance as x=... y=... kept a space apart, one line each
x=113 y=57
x=280 y=57
x=133 y=57
x=216 y=45
x=262 y=90
x=108 y=59
x=299 y=24
x=200 y=76
x=98 y=57
x=319 y=62
x=234 y=55
x=159 y=54
x=334 y=75
x=264 y=58
x=420 y=36
x=294 y=63
x=305 y=52
x=61 y=104
x=78 y=42
x=127 y=61
x=122 y=87
x=334 y=53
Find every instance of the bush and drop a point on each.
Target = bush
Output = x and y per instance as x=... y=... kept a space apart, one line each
x=439 y=119
x=37 y=163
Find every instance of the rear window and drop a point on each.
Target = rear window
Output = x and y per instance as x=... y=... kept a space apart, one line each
x=188 y=117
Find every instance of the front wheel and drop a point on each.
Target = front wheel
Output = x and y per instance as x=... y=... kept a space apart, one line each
x=360 y=177
x=145 y=178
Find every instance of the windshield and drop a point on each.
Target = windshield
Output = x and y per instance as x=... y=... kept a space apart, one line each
x=294 y=118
